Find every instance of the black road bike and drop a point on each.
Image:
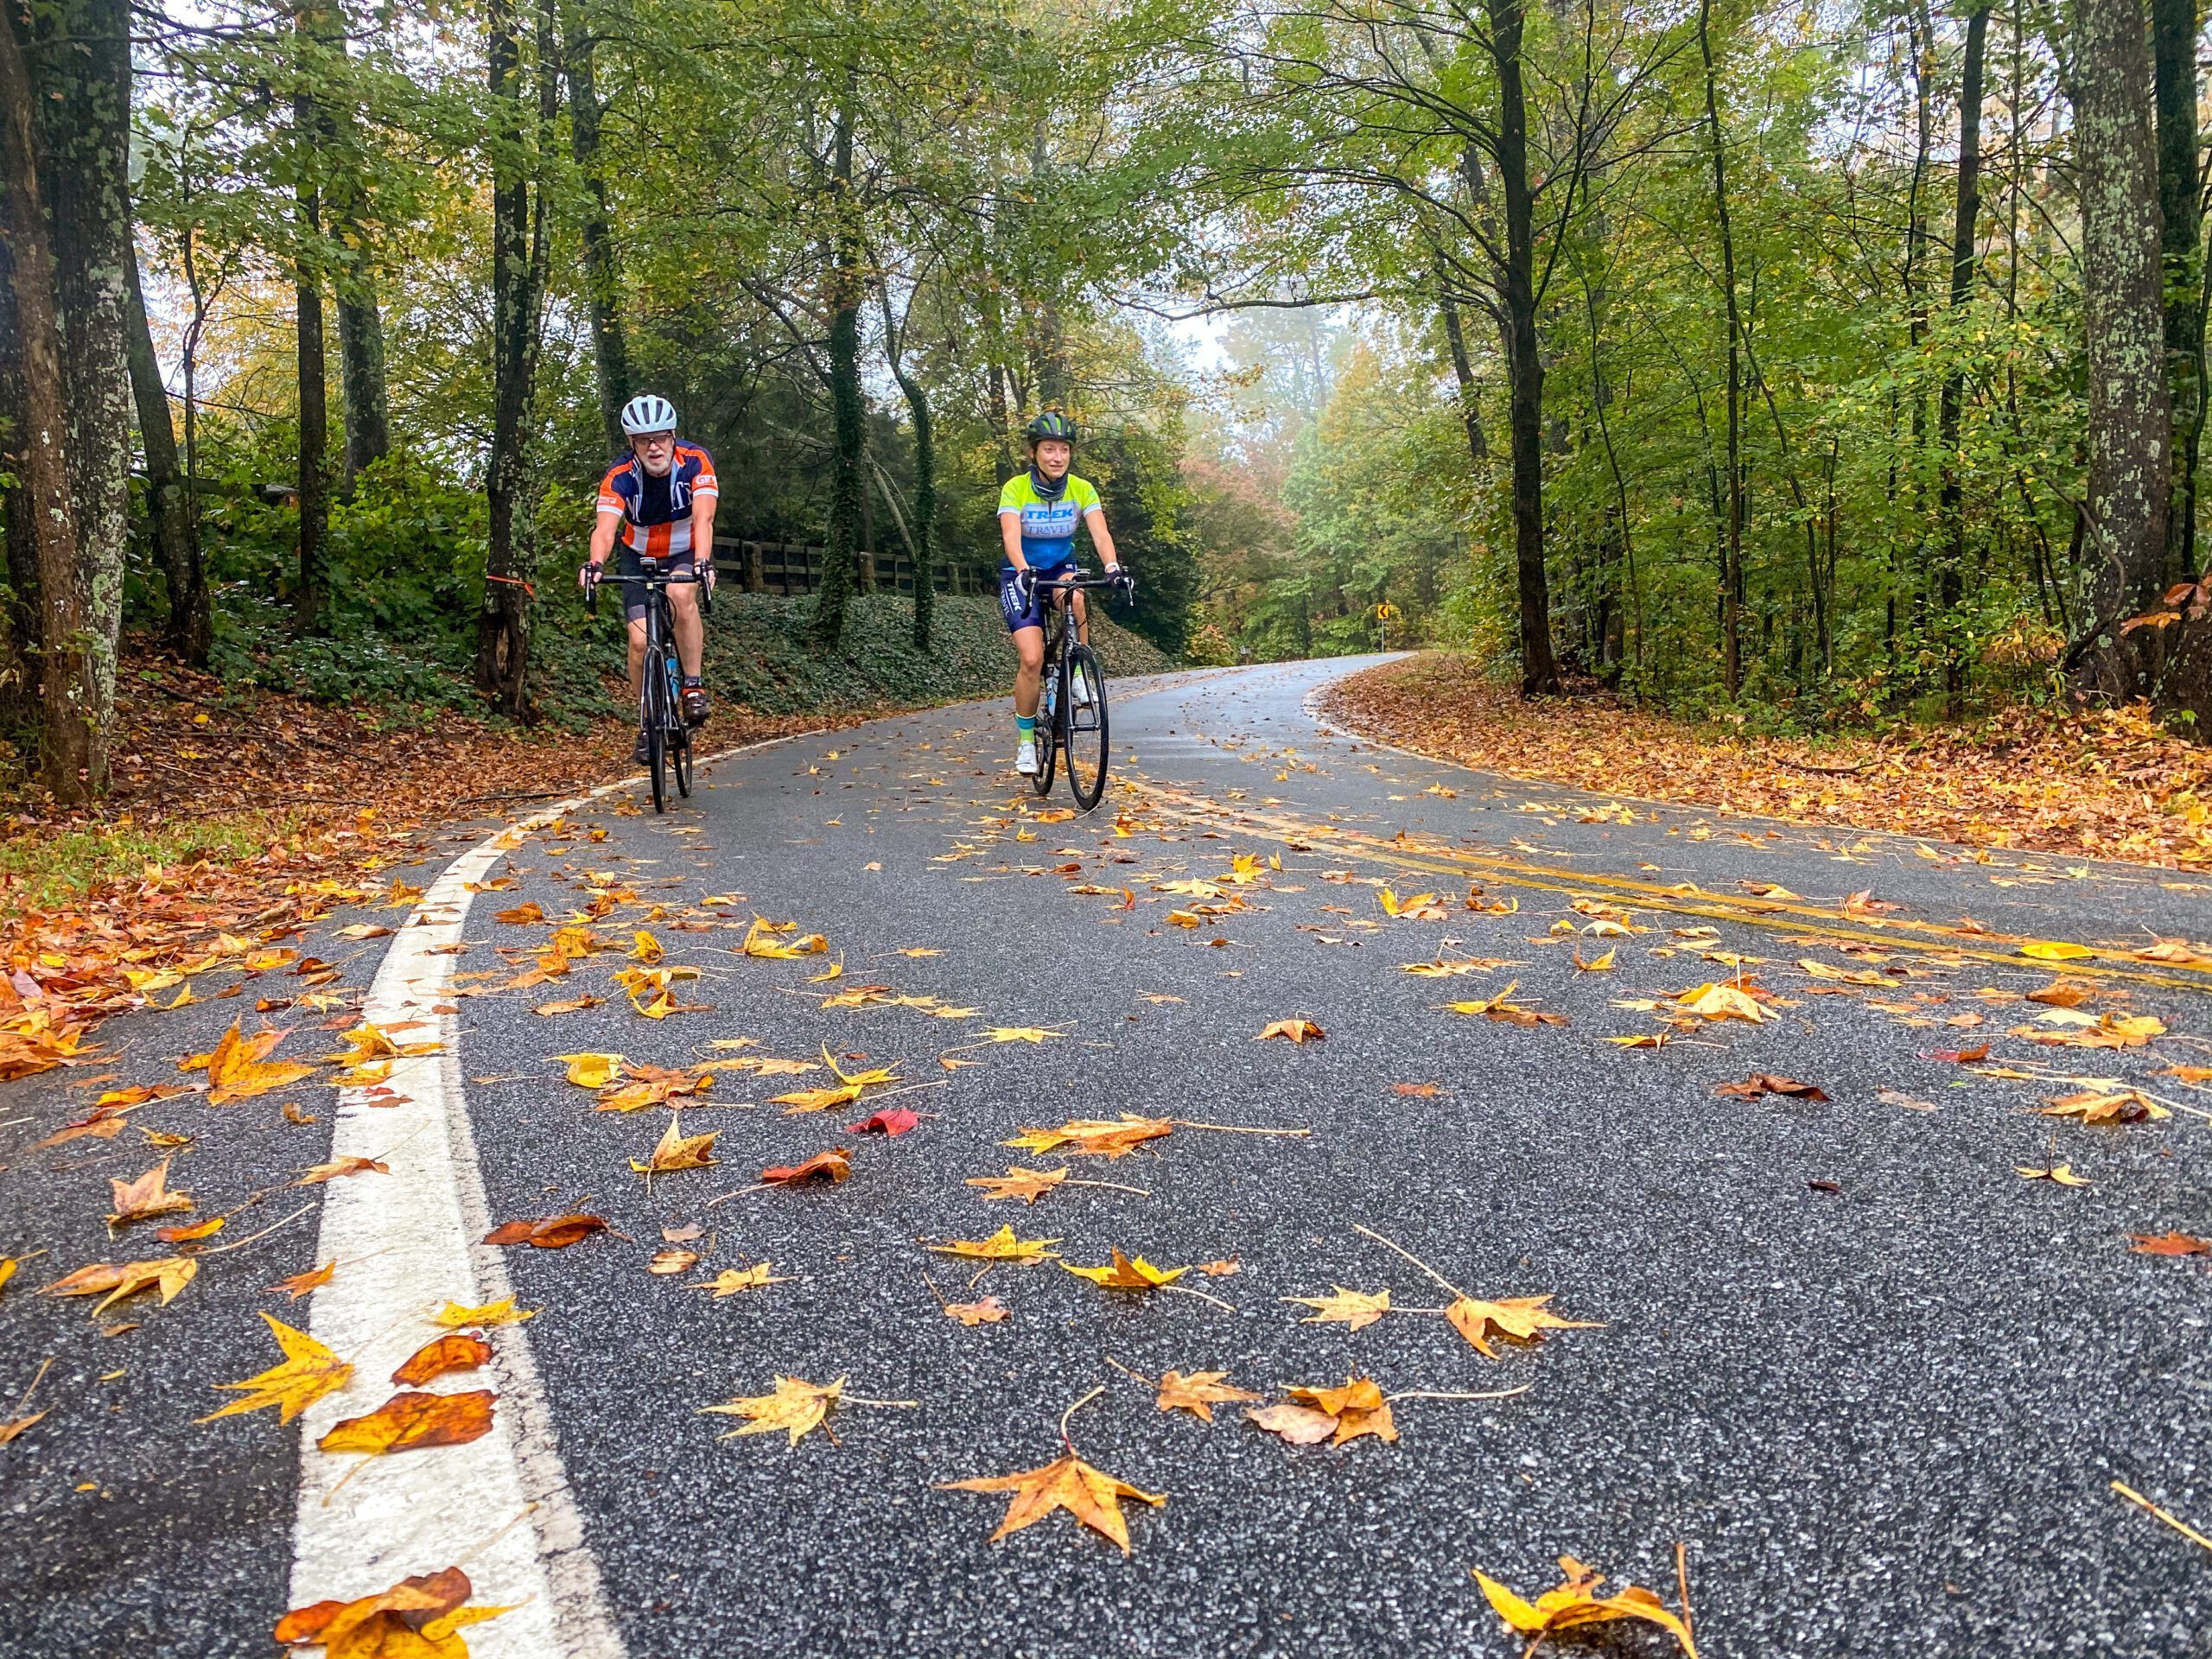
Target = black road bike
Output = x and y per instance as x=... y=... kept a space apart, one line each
x=1068 y=725
x=660 y=694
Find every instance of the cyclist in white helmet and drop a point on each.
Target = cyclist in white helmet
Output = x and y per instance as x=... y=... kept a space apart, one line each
x=660 y=498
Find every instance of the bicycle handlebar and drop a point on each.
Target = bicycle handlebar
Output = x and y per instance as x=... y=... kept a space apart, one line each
x=651 y=578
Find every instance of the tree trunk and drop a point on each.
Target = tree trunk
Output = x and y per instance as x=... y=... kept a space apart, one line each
x=503 y=630
x=917 y=406
x=1524 y=361
x=602 y=274
x=69 y=225
x=19 y=623
x=1463 y=370
x=2130 y=473
x=360 y=356
x=847 y=280
x=1731 y=546
x=169 y=496
x=2174 y=27
x=1951 y=575
x=308 y=134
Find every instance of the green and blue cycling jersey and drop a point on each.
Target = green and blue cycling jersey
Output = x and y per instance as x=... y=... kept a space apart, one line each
x=1047 y=527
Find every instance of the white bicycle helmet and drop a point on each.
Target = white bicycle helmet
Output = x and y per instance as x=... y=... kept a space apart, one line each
x=648 y=413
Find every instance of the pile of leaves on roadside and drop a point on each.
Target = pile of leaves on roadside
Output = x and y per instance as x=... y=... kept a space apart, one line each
x=235 y=822
x=2104 y=784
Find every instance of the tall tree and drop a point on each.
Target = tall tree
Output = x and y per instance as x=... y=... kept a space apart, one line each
x=602 y=271
x=517 y=290
x=309 y=130
x=188 y=625
x=2129 y=407
x=64 y=154
x=845 y=288
x=2174 y=27
x=924 y=527
x=1732 y=545
x=1951 y=571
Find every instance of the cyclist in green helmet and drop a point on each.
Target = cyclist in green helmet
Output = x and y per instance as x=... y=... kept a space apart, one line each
x=1039 y=511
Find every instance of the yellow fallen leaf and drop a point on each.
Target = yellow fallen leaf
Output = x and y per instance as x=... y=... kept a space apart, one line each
x=797 y=1407
x=454 y=1316
x=308 y=1372
x=1001 y=1246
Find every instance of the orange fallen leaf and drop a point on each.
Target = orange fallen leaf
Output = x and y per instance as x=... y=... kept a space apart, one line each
x=554 y=1233
x=416 y=1618
x=148 y=1195
x=411 y=1420
x=990 y=1311
x=1094 y=1137
x=170 y=1273
x=827 y=1167
x=459 y=1351
x=2168 y=1244
x=1349 y=1308
x=1027 y=1185
x=193 y=1234
x=1001 y=1246
x=1123 y=1273
x=1523 y=1319
x=521 y=915
x=1090 y=1494
x=1295 y=1030
x=676 y=1150
x=1336 y=1415
x=1199 y=1392
x=338 y=1167
x=300 y=1283
x=1769 y=1083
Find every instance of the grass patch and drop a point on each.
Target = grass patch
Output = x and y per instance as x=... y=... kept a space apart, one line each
x=51 y=872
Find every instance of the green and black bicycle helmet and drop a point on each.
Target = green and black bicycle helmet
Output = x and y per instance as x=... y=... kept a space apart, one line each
x=1052 y=424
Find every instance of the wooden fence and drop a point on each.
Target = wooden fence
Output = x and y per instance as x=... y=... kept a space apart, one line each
x=796 y=567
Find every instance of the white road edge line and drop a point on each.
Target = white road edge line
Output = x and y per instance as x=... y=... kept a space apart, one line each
x=406 y=1244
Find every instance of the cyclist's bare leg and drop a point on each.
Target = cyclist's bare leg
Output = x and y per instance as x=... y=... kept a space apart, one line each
x=1081 y=617
x=1029 y=644
x=636 y=660
x=690 y=635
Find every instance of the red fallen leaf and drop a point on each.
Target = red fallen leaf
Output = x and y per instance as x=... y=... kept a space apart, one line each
x=1769 y=1083
x=895 y=1121
x=1959 y=1056
x=1825 y=1186
x=2168 y=1244
x=554 y=1233
x=1416 y=1091
x=829 y=1167
x=410 y=1420
x=462 y=1351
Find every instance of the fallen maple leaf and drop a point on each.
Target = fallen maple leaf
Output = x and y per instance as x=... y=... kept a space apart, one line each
x=462 y=1351
x=1199 y=1392
x=147 y=1196
x=1001 y=1246
x=1122 y=1273
x=1735 y=1000
x=676 y=1150
x=1417 y=1090
x=894 y=1122
x=454 y=1316
x=592 y=1070
x=1094 y=1137
x=239 y=1067
x=337 y=1167
x=990 y=1311
x=171 y=1272
x=2061 y=1174
x=1504 y=1010
x=1347 y=1308
x=668 y=1263
x=827 y=1167
x=1336 y=1415
x=410 y=1420
x=2094 y=1106
x=300 y=1283
x=413 y=1619
x=797 y=1407
x=1521 y=1319
x=308 y=1372
x=802 y=1101
x=731 y=1281
x=1296 y=1031
x=554 y=1233
x=193 y=1234
x=1027 y=1185
x=1575 y=1603
x=2055 y=951
x=1090 y=1495
x=1768 y=1083
x=521 y=915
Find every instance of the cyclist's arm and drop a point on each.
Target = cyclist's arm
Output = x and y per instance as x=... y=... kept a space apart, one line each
x=1010 y=537
x=1102 y=539
x=702 y=532
x=602 y=533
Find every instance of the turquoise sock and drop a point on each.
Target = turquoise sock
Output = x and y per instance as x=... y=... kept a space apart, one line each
x=1026 y=725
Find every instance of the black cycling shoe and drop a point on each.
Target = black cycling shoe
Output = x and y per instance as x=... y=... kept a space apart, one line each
x=643 y=754
x=695 y=705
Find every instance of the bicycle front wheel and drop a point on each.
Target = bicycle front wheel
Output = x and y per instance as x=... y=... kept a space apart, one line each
x=656 y=719
x=1084 y=718
x=680 y=753
x=1047 y=756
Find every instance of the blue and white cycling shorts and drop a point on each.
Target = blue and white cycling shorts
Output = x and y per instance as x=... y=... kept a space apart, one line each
x=1019 y=617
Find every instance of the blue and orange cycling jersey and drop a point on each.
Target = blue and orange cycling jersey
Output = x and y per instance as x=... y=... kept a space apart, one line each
x=657 y=512
x=1047 y=527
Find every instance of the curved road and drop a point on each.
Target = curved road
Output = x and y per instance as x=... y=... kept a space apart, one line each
x=1875 y=1382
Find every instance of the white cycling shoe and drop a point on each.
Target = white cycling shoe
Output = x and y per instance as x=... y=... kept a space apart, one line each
x=1024 y=760
x=1082 y=682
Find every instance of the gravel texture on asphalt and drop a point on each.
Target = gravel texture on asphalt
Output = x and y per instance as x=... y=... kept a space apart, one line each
x=1874 y=1380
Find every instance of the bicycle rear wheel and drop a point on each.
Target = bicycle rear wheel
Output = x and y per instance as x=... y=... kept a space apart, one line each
x=679 y=734
x=1085 y=737
x=1047 y=756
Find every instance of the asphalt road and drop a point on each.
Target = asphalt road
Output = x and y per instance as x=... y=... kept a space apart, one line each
x=1875 y=1382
